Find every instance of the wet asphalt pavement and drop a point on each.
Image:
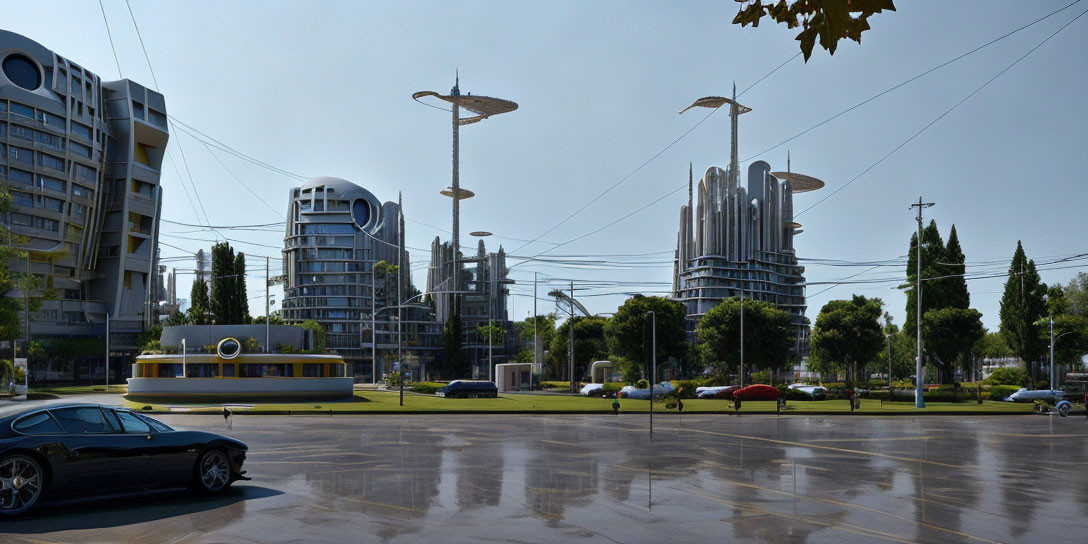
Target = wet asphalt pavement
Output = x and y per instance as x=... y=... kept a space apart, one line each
x=463 y=478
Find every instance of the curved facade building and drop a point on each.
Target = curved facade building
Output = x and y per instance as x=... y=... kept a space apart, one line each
x=336 y=232
x=82 y=158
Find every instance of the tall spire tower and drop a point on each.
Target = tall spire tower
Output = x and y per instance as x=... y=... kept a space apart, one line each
x=734 y=161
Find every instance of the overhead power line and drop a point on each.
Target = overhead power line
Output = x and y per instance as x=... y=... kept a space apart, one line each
x=942 y=116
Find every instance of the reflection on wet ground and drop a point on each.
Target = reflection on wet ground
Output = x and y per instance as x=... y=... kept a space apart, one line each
x=459 y=478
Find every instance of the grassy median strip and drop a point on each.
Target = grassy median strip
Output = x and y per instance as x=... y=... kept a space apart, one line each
x=388 y=402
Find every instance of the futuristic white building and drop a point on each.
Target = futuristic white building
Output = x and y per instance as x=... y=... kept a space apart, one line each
x=736 y=240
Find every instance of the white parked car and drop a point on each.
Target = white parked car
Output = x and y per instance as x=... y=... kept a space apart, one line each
x=632 y=392
x=716 y=392
x=1025 y=395
x=814 y=391
x=589 y=388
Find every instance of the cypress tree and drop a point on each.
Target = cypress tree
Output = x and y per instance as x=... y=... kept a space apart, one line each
x=241 y=307
x=1022 y=304
x=955 y=287
x=223 y=292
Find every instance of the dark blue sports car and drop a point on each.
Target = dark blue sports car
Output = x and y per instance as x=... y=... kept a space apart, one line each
x=73 y=450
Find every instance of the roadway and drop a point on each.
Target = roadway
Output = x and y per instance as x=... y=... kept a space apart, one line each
x=710 y=478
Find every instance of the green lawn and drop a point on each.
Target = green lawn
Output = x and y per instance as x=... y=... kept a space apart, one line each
x=387 y=402
x=80 y=389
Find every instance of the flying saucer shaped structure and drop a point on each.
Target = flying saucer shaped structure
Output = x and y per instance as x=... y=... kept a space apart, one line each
x=479 y=233
x=716 y=102
x=800 y=183
x=793 y=225
x=482 y=106
x=461 y=193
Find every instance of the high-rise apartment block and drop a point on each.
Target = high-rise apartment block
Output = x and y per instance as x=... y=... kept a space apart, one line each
x=337 y=232
x=82 y=159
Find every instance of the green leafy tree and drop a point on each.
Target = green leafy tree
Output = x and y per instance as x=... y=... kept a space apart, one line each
x=198 y=301
x=847 y=332
x=826 y=21
x=1075 y=295
x=275 y=319
x=318 y=333
x=768 y=336
x=1022 y=305
x=223 y=291
x=10 y=308
x=629 y=336
x=454 y=363
x=589 y=343
x=545 y=330
x=950 y=334
x=240 y=312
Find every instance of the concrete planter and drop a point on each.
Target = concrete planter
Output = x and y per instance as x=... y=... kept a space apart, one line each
x=20 y=389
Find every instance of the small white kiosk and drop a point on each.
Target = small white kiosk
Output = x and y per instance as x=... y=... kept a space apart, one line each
x=601 y=371
x=513 y=376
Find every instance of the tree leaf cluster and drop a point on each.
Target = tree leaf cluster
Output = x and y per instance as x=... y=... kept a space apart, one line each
x=826 y=21
x=768 y=336
x=1023 y=304
x=847 y=333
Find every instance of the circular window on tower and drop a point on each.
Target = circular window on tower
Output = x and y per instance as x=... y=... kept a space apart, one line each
x=22 y=72
x=360 y=212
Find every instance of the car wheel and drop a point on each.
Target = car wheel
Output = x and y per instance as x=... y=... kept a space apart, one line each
x=1064 y=409
x=212 y=472
x=21 y=483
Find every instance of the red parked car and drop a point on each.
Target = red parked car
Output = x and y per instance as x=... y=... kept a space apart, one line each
x=756 y=392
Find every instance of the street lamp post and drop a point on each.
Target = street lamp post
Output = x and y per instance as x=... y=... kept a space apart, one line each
x=888 y=337
x=1052 y=341
x=653 y=367
x=742 y=337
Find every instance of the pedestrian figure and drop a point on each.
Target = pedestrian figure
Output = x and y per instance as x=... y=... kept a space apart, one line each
x=850 y=396
x=679 y=404
x=228 y=417
x=616 y=405
x=11 y=387
x=736 y=405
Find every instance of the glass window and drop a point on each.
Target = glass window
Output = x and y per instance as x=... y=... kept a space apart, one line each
x=22 y=132
x=312 y=370
x=52 y=204
x=50 y=161
x=49 y=140
x=39 y=423
x=50 y=119
x=132 y=424
x=3 y=105
x=19 y=154
x=84 y=173
x=83 y=419
x=155 y=424
x=156 y=118
x=20 y=109
x=22 y=72
x=23 y=199
x=327 y=228
x=53 y=184
x=82 y=130
x=22 y=219
x=80 y=191
x=80 y=149
x=137 y=110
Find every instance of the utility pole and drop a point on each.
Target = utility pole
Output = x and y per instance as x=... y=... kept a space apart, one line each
x=373 y=330
x=919 y=375
x=742 y=336
x=108 y=352
x=570 y=363
x=888 y=337
x=398 y=298
x=267 y=315
x=653 y=367
x=536 y=338
x=1051 y=353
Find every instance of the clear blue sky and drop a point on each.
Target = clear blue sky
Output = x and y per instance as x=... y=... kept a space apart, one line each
x=323 y=88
